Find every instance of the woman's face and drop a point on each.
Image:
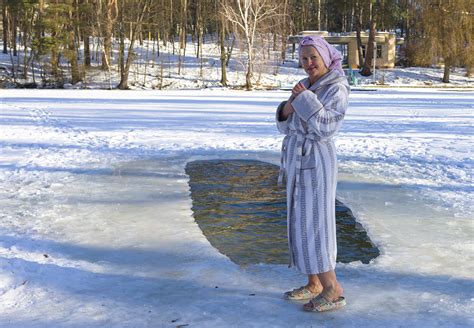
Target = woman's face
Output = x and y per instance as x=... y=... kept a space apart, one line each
x=312 y=63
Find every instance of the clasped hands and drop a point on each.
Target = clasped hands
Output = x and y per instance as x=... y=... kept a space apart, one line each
x=297 y=89
x=288 y=109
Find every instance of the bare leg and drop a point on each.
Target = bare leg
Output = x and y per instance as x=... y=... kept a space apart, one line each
x=331 y=289
x=314 y=284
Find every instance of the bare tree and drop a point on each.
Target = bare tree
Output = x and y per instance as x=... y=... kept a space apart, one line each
x=285 y=27
x=71 y=43
x=248 y=17
x=26 y=24
x=86 y=29
x=182 y=33
x=369 y=49
x=109 y=7
x=358 y=26
x=223 y=51
x=5 y=14
x=137 y=16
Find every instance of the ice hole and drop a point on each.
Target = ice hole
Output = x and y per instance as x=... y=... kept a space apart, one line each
x=242 y=212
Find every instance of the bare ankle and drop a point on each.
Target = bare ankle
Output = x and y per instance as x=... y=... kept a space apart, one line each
x=315 y=289
x=332 y=293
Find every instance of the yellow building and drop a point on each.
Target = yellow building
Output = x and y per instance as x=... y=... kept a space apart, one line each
x=385 y=44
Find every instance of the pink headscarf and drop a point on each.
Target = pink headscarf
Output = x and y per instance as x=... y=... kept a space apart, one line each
x=331 y=57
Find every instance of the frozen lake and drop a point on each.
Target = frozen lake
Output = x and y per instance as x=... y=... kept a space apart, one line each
x=93 y=236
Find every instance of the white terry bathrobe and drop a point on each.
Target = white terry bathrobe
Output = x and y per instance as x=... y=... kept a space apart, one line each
x=309 y=161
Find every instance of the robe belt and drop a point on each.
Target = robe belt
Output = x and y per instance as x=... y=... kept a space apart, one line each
x=301 y=145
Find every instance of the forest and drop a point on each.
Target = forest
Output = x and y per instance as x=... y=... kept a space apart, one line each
x=60 y=40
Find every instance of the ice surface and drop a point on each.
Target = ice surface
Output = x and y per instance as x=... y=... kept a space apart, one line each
x=97 y=230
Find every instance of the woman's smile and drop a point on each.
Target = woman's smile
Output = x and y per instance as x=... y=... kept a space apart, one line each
x=312 y=63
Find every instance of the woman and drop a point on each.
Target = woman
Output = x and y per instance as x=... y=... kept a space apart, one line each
x=309 y=119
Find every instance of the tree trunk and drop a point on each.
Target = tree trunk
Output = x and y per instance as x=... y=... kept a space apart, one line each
x=249 y=74
x=75 y=75
x=369 y=51
x=223 y=51
x=123 y=85
x=284 y=31
x=125 y=66
x=14 y=35
x=26 y=57
x=109 y=24
x=304 y=15
x=86 y=32
x=123 y=75
x=72 y=48
x=358 y=26
x=107 y=46
x=469 y=60
x=124 y=72
x=182 y=34
x=229 y=51
x=158 y=37
x=319 y=14
x=5 y=27
x=55 y=54
x=447 y=68
x=87 y=50
x=40 y=30
x=199 y=28
x=55 y=62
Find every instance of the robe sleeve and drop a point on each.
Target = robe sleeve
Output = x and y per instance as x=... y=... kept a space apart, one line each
x=323 y=118
x=282 y=125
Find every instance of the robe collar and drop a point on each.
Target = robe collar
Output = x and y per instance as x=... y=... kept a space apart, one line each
x=330 y=77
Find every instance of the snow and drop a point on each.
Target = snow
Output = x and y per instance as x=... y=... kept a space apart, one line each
x=153 y=71
x=97 y=228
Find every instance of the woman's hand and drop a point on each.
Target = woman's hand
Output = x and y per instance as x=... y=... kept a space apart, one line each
x=297 y=89
x=288 y=109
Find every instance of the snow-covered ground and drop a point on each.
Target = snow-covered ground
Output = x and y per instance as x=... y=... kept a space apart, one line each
x=153 y=71
x=96 y=227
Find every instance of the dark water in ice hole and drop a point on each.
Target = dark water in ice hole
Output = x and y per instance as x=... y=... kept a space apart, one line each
x=242 y=212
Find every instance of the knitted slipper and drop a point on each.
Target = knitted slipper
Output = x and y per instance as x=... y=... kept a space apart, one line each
x=301 y=293
x=320 y=304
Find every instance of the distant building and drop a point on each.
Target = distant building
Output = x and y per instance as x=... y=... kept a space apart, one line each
x=385 y=42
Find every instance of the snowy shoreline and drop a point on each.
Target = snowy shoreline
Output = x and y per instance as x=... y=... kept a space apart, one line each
x=268 y=75
x=97 y=228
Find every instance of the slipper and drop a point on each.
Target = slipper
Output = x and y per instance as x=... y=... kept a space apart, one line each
x=301 y=293
x=320 y=304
